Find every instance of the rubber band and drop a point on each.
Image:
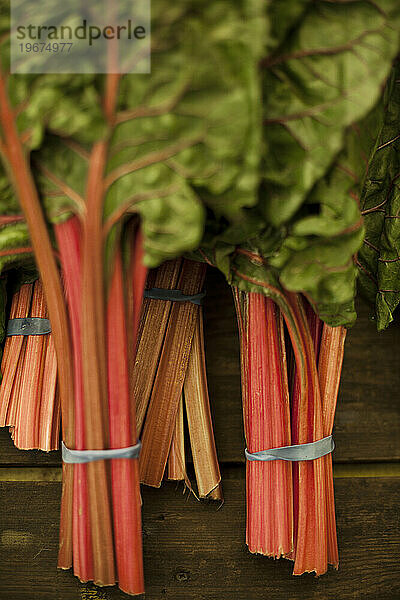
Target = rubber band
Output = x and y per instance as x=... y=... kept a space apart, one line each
x=174 y=296
x=295 y=453
x=28 y=326
x=85 y=456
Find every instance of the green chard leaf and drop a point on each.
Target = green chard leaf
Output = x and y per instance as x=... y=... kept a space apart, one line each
x=257 y=159
x=198 y=115
x=185 y=139
x=322 y=83
x=325 y=75
x=62 y=104
x=379 y=258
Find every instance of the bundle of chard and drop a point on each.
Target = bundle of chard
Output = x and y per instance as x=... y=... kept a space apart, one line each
x=29 y=402
x=170 y=378
x=290 y=505
x=291 y=261
x=117 y=171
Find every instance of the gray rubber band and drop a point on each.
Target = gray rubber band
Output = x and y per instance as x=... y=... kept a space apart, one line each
x=295 y=453
x=28 y=326
x=173 y=296
x=85 y=456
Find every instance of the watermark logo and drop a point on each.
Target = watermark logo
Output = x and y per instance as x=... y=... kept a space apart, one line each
x=71 y=36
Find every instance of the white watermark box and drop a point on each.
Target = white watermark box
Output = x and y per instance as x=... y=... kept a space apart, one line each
x=75 y=36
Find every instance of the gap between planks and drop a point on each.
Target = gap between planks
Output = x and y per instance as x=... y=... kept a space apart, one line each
x=29 y=474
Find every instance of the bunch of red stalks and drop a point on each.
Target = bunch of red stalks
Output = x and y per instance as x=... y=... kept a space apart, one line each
x=155 y=387
x=289 y=398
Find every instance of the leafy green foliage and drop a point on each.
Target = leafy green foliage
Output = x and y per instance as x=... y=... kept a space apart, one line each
x=324 y=76
x=322 y=81
x=250 y=138
x=187 y=136
x=379 y=257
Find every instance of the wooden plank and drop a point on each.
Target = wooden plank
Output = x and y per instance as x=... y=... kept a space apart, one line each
x=193 y=551
x=367 y=422
x=367 y=426
x=10 y=455
x=340 y=470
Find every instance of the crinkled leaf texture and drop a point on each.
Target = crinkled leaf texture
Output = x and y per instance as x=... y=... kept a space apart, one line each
x=186 y=137
x=379 y=258
x=64 y=105
x=197 y=117
x=325 y=75
x=321 y=86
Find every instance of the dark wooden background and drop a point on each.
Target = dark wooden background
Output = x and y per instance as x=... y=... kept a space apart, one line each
x=196 y=551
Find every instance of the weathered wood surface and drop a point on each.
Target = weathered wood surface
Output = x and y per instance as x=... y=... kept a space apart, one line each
x=194 y=551
x=9 y=455
x=368 y=415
